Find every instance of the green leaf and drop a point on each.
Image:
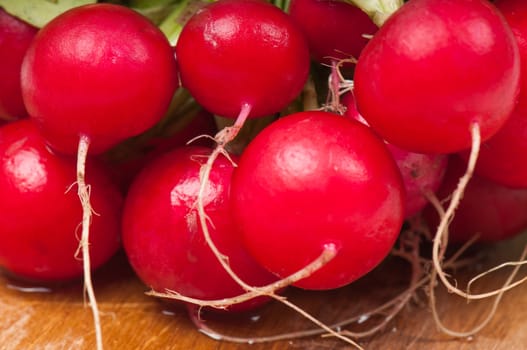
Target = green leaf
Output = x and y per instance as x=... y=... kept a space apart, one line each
x=40 y=12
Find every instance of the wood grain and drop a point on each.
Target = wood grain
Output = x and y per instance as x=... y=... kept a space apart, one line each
x=57 y=318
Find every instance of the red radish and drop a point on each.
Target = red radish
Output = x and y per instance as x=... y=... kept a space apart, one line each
x=162 y=237
x=422 y=173
x=501 y=157
x=515 y=13
x=424 y=81
x=236 y=53
x=312 y=179
x=101 y=71
x=490 y=210
x=92 y=77
x=334 y=29
x=40 y=215
x=15 y=37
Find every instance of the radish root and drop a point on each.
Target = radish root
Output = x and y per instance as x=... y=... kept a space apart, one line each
x=408 y=250
x=440 y=242
x=83 y=191
x=494 y=307
x=327 y=255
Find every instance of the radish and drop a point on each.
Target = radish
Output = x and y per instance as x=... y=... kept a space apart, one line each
x=92 y=77
x=423 y=82
x=515 y=13
x=236 y=53
x=334 y=29
x=40 y=214
x=111 y=71
x=501 y=157
x=15 y=37
x=490 y=211
x=162 y=237
x=422 y=173
x=314 y=179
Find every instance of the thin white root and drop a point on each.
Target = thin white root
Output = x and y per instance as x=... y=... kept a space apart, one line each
x=322 y=328
x=320 y=324
x=409 y=251
x=223 y=137
x=468 y=294
x=327 y=255
x=499 y=295
x=440 y=241
x=334 y=83
x=83 y=192
x=338 y=86
x=509 y=286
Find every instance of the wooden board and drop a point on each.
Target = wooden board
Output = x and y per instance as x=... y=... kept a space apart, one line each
x=57 y=318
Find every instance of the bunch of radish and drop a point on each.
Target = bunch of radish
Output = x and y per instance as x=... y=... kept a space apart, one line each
x=369 y=116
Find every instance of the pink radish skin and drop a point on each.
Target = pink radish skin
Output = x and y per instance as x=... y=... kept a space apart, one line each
x=164 y=241
x=424 y=80
x=40 y=217
x=312 y=179
x=102 y=71
x=15 y=38
x=488 y=209
x=334 y=29
x=233 y=53
x=421 y=172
